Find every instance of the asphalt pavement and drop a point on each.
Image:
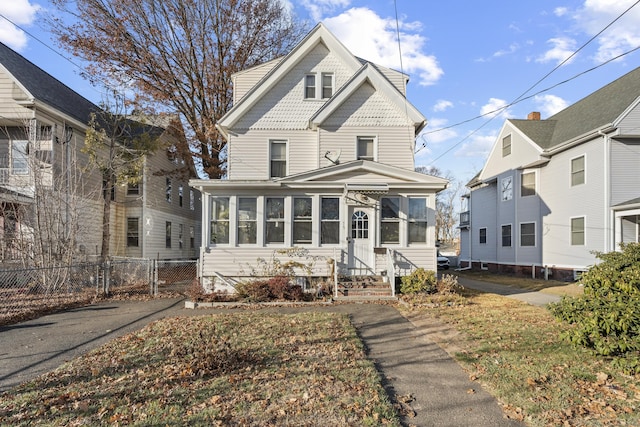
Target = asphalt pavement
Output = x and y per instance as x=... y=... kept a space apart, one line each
x=414 y=369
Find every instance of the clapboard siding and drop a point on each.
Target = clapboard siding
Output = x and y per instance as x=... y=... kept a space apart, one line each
x=522 y=152
x=284 y=107
x=484 y=215
x=625 y=170
x=244 y=80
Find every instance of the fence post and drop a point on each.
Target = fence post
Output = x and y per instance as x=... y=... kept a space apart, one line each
x=106 y=275
x=154 y=284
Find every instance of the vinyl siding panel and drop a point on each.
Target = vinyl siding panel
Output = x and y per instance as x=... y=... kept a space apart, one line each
x=625 y=170
x=565 y=202
x=528 y=210
x=394 y=144
x=9 y=92
x=630 y=124
x=523 y=152
x=284 y=107
x=484 y=215
x=245 y=80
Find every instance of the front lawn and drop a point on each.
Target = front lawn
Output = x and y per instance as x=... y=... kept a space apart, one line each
x=252 y=369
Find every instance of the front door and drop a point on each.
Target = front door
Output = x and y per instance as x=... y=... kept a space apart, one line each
x=361 y=238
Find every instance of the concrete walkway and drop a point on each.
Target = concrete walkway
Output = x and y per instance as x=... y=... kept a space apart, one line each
x=413 y=367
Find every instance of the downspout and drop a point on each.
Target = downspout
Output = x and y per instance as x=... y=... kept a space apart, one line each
x=469 y=265
x=609 y=245
x=144 y=207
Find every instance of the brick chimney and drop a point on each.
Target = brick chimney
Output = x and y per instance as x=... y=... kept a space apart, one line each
x=534 y=115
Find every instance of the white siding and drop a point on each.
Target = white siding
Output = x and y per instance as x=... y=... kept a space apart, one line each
x=630 y=124
x=484 y=215
x=625 y=170
x=245 y=80
x=9 y=92
x=523 y=152
x=284 y=107
x=562 y=202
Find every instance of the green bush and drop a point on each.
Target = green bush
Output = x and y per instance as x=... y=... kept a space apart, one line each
x=607 y=316
x=420 y=280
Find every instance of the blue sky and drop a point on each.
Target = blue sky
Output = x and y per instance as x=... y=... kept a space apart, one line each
x=464 y=58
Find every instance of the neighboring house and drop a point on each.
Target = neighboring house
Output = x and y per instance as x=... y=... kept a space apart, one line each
x=554 y=191
x=321 y=159
x=44 y=175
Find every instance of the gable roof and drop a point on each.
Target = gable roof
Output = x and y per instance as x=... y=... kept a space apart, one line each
x=595 y=111
x=368 y=73
x=41 y=86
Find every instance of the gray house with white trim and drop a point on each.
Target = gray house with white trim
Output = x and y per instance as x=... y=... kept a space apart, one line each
x=553 y=191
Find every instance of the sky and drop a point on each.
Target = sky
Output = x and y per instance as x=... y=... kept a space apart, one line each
x=467 y=60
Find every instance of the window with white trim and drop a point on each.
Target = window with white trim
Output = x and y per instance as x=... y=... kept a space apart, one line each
x=302 y=220
x=278 y=156
x=417 y=220
x=310 y=86
x=330 y=220
x=577 y=171
x=506 y=145
x=577 y=231
x=528 y=234
x=167 y=235
x=133 y=232
x=528 y=184
x=327 y=85
x=274 y=220
x=506 y=235
x=219 y=220
x=247 y=220
x=366 y=148
x=390 y=220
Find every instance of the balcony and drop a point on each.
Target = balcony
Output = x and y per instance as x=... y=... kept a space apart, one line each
x=465 y=219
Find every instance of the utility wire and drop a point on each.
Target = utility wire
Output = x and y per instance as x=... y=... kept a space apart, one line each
x=522 y=97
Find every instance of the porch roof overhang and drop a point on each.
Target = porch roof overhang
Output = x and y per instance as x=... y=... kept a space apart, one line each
x=629 y=204
x=368 y=189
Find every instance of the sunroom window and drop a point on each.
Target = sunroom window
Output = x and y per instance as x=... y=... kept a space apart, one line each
x=274 y=228
x=220 y=220
x=417 y=220
x=330 y=220
x=390 y=220
x=302 y=220
x=247 y=220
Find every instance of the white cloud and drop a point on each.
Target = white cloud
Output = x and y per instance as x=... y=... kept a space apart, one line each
x=442 y=104
x=20 y=12
x=513 y=47
x=621 y=37
x=562 y=48
x=549 y=104
x=477 y=147
x=319 y=8
x=373 y=38
x=495 y=107
x=560 y=11
x=442 y=135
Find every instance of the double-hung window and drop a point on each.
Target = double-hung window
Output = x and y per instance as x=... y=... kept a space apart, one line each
x=528 y=234
x=247 y=220
x=278 y=156
x=528 y=184
x=506 y=235
x=330 y=220
x=133 y=232
x=302 y=220
x=577 y=231
x=482 y=238
x=167 y=235
x=417 y=220
x=390 y=220
x=168 y=189
x=310 y=86
x=274 y=229
x=327 y=85
x=219 y=220
x=577 y=171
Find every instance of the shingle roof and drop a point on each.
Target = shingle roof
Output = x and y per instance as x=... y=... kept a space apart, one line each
x=594 y=111
x=46 y=88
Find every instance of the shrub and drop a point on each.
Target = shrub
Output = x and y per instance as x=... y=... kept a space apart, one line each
x=275 y=288
x=420 y=280
x=607 y=315
x=448 y=284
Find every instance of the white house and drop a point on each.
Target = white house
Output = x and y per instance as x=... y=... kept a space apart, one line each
x=320 y=159
x=554 y=191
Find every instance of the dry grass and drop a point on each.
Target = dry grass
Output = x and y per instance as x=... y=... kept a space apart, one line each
x=249 y=369
x=554 y=287
x=516 y=351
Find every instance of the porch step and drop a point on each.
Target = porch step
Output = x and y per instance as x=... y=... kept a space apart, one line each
x=360 y=287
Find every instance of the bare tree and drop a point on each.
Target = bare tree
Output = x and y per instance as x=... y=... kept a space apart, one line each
x=446 y=213
x=178 y=54
x=41 y=212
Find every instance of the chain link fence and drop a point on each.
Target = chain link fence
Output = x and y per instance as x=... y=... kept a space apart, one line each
x=26 y=293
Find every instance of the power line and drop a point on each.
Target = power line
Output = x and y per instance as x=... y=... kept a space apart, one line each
x=522 y=97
